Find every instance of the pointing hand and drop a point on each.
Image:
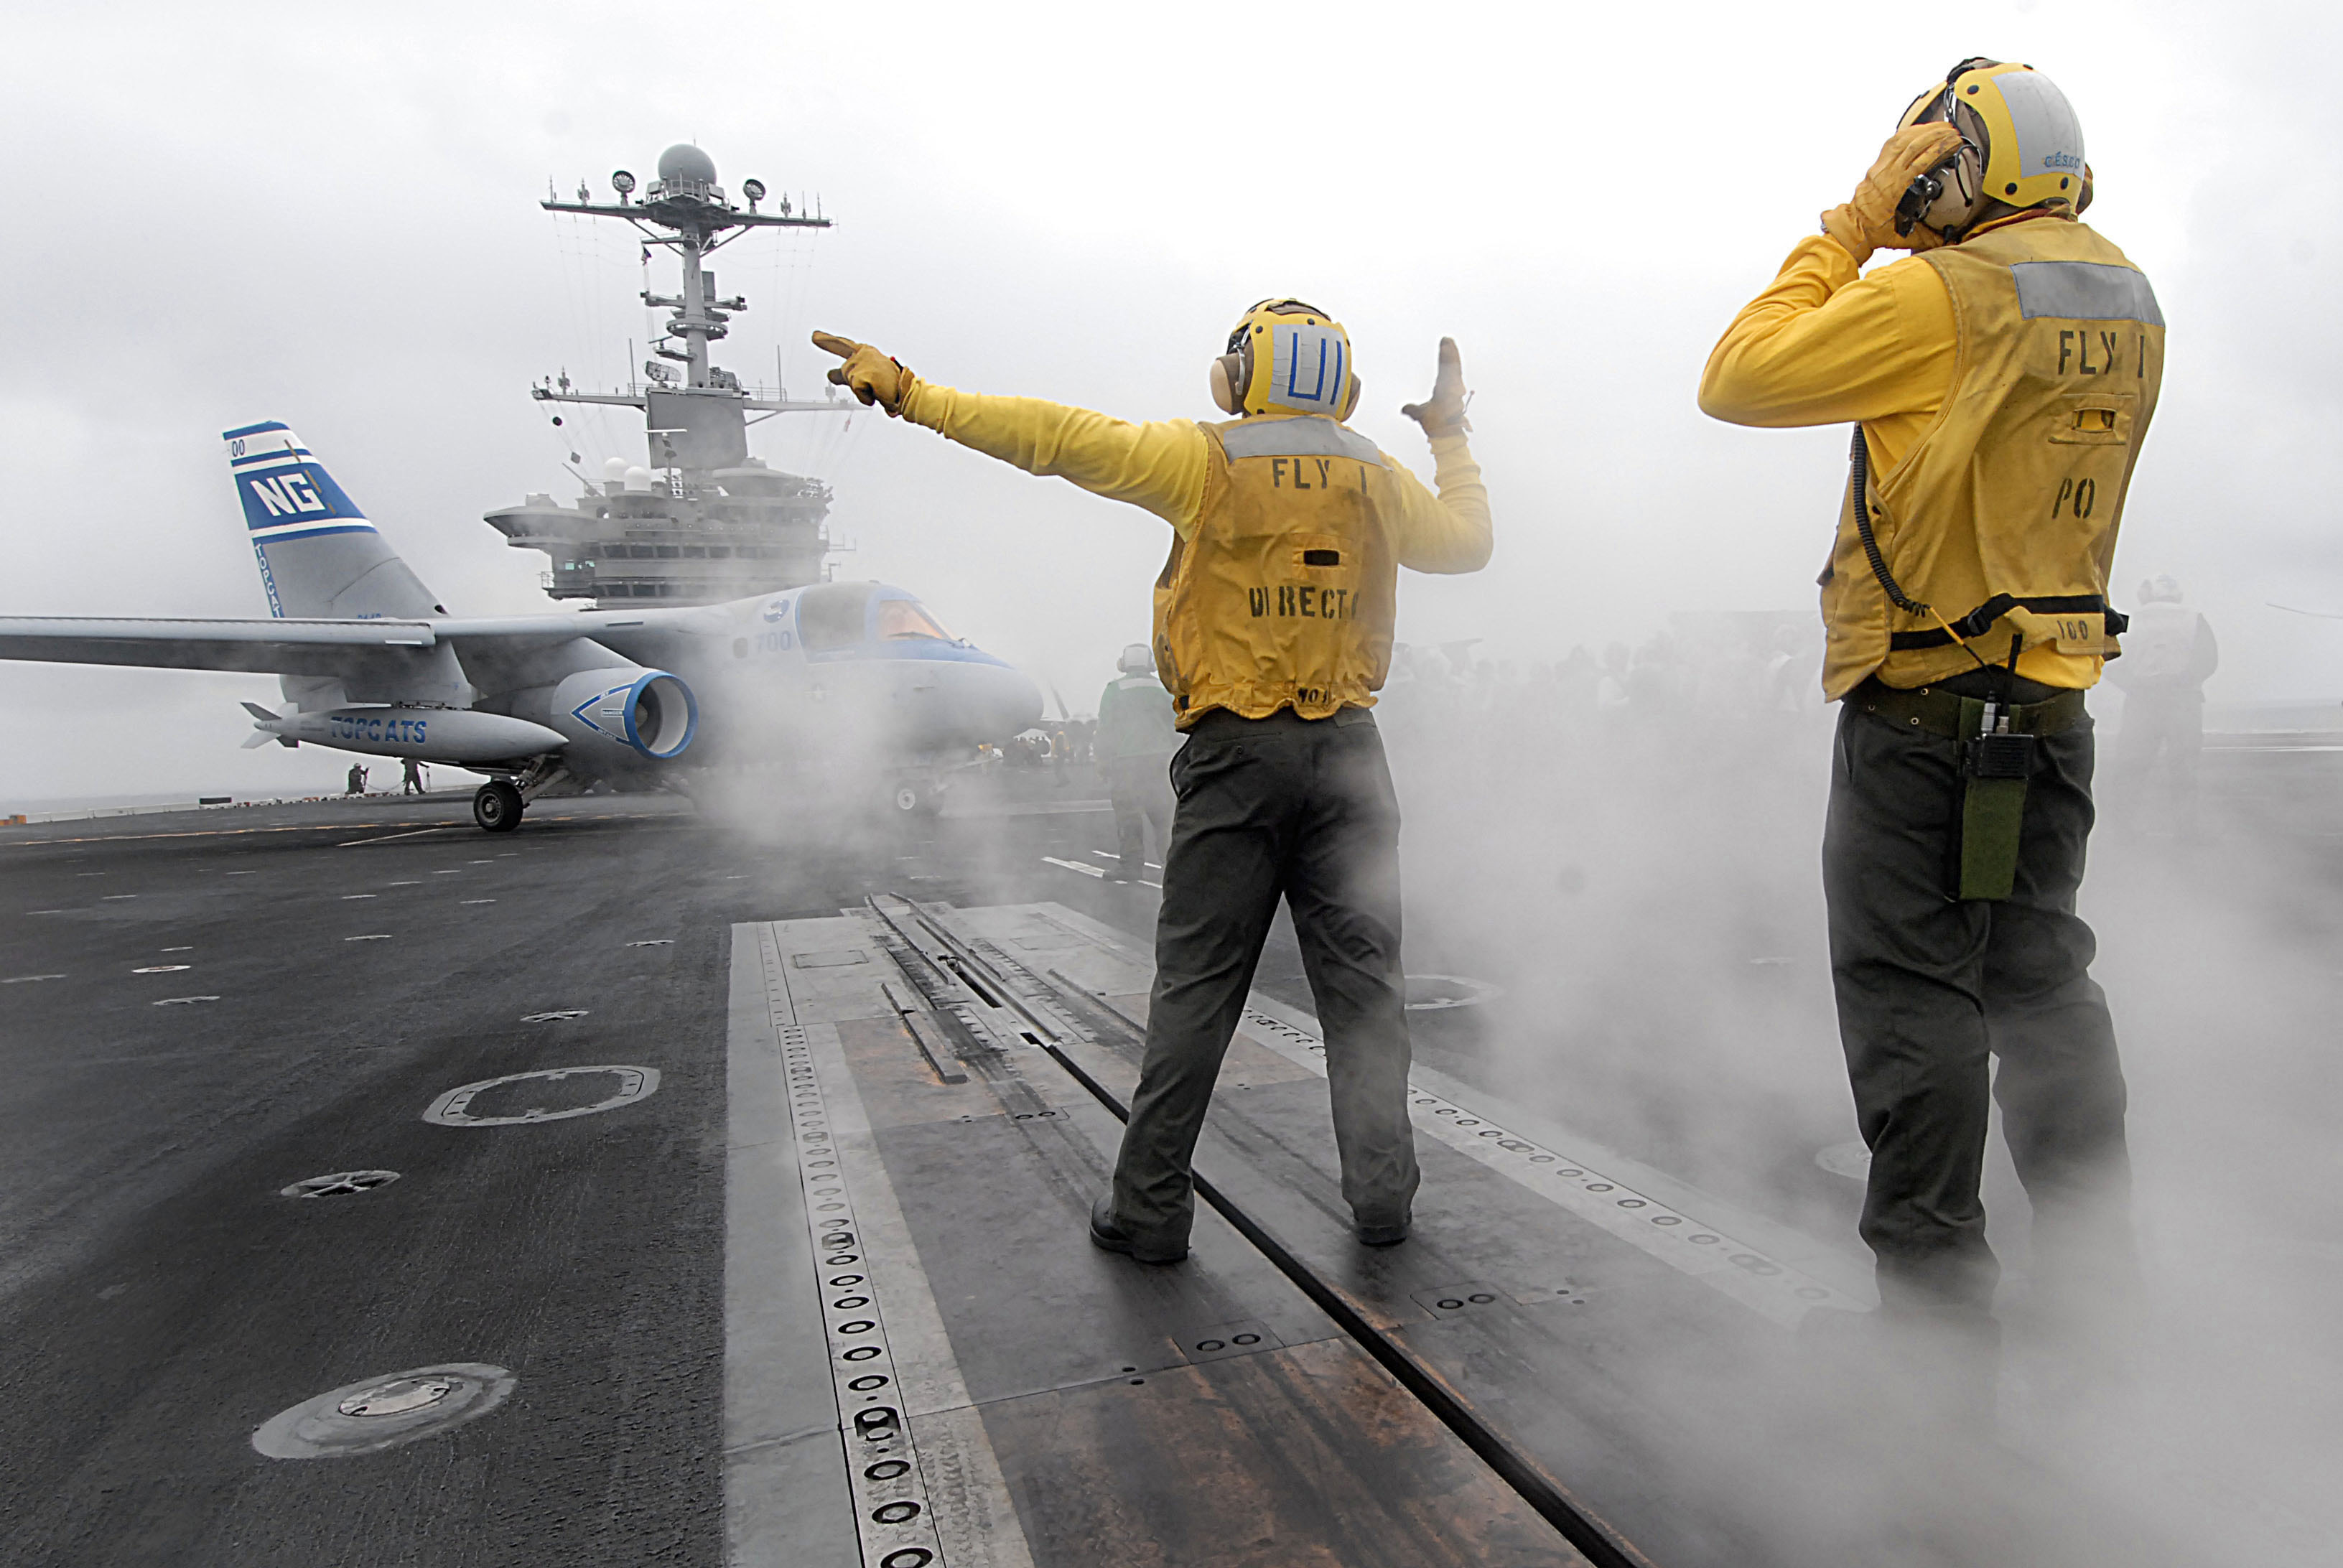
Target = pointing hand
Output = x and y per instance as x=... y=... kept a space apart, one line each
x=1443 y=413
x=870 y=375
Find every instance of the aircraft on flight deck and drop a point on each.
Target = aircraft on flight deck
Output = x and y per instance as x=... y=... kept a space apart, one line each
x=371 y=663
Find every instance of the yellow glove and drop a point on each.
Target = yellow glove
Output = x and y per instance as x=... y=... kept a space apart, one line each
x=870 y=375
x=1867 y=222
x=1443 y=413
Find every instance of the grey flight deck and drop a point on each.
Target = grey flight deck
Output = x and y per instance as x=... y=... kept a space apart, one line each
x=160 y=1300
x=1044 y=1403
x=1635 y=1339
x=653 y=1281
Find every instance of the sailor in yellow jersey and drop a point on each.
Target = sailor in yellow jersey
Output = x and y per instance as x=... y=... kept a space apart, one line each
x=2000 y=381
x=1273 y=622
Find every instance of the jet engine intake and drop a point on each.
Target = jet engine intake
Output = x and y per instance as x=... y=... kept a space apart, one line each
x=647 y=711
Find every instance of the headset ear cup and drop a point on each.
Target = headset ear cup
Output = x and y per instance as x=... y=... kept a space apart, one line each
x=1351 y=398
x=1227 y=387
x=1951 y=214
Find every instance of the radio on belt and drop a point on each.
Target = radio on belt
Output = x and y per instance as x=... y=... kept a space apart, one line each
x=1995 y=753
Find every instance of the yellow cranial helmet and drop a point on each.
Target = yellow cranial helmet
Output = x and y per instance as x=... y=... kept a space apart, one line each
x=2021 y=144
x=1286 y=357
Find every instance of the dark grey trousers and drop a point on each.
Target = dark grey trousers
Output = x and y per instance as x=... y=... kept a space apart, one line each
x=1300 y=810
x=2159 y=728
x=1140 y=789
x=1930 y=990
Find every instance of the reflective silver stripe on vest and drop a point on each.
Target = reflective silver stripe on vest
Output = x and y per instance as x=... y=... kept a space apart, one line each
x=2085 y=291
x=1302 y=437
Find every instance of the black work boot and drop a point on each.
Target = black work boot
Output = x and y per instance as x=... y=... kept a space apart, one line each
x=1382 y=1235
x=1107 y=1234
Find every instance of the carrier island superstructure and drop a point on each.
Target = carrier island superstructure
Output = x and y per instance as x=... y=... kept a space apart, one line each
x=701 y=521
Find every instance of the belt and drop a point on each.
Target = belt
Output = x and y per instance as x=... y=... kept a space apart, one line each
x=1229 y=721
x=1977 y=621
x=1954 y=716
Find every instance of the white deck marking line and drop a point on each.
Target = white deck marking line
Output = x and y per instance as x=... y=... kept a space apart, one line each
x=1773 y=1289
x=892 y=1341
x=386 y=838
x=1111 y=855
x=310 y=828
x=1097 y=871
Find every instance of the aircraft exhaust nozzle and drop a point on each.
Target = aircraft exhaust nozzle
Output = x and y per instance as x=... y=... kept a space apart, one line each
x=455 y=735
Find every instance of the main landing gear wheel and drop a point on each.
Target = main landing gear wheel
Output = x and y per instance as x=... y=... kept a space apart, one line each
x=905 y=799
x=497 y=807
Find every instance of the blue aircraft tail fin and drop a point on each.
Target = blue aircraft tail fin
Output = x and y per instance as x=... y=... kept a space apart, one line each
x=320 y=556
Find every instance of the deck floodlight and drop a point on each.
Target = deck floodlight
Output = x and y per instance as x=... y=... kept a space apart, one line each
x=623 y=183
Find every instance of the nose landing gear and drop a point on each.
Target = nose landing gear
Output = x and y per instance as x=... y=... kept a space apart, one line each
x=496 y=808
x=915 y=799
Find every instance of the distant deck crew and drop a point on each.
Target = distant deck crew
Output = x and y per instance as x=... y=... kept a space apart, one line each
x=2169 y=653
x=1137 y=737
x=2000 y=380
x=1273 y=622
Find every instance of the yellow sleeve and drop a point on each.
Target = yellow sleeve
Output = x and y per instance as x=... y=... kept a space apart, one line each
x=1825 y=345
x=1449 y=532
x=1158 y=466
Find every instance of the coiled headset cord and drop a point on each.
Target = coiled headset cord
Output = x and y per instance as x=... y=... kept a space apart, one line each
x=1858 y=484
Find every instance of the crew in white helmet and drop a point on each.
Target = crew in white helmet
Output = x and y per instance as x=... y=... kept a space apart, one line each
x=2168 y=654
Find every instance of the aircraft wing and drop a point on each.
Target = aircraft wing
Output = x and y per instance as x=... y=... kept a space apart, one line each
x=271 y=647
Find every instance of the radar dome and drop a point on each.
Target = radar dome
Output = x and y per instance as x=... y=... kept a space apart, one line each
x=614 y=467
x=637 y=480
x=684 y=162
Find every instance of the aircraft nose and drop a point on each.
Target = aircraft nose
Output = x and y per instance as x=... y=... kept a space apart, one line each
x=1010 y=700
x=972 y=701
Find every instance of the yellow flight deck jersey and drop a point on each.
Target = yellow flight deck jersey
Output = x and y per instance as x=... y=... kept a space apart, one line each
x=1288 y=531
x=2003 y=386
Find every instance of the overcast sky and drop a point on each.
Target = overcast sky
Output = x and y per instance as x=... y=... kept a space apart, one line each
x=327 y=215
